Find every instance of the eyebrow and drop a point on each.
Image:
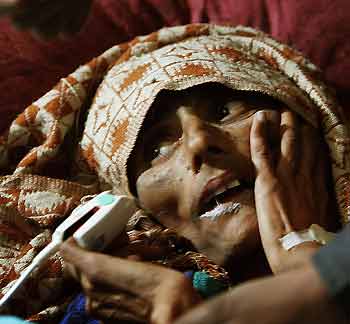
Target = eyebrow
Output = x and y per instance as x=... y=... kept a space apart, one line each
x=159 y=112
x=154 y=129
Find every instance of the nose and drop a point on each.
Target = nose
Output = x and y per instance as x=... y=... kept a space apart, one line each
x=202 y=140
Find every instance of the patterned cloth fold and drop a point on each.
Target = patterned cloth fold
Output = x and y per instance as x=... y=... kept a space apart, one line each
x=76 y=140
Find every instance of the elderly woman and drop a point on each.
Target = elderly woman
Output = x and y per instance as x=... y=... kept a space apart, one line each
x=172 y=123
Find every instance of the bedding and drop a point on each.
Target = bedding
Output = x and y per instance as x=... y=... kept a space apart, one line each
x=34 y=198
x=29 y=67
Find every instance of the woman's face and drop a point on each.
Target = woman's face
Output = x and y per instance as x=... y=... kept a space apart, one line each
x=192 y=167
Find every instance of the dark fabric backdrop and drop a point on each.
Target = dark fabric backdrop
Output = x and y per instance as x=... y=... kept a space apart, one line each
x=29 y=67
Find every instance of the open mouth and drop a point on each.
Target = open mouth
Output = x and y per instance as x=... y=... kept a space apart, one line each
x=217 y=204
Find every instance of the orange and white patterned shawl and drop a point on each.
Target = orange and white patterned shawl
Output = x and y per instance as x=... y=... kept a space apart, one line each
x=76 y=139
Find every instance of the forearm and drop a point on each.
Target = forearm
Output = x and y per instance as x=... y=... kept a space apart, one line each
x=317 y=305
x=332 y=263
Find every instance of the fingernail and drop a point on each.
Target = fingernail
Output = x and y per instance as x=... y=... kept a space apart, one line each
x=261 y=116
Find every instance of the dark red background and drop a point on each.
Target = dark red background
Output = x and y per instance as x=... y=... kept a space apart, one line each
x=29 y=67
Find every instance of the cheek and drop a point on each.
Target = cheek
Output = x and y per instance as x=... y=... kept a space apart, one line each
x=233 y=235
x=156 y=189
x=242 y=231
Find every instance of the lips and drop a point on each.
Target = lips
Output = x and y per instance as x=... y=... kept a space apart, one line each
x=216 y=190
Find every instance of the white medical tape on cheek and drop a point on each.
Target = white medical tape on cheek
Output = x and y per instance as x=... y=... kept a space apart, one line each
x=314 y=233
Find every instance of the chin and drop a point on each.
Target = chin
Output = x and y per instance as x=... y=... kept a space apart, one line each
x=237 y=233
x=230 y=237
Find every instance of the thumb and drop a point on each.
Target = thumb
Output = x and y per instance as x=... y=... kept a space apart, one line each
x=74 y=254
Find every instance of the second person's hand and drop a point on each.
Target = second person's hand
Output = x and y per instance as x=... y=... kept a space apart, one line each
x=119 y=289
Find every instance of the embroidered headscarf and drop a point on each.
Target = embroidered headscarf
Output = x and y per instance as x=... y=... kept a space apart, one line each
x=85 y=128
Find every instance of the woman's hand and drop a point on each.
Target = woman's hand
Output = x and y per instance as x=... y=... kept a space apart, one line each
x=121 y=289
x=290 y=186
x=290 y=194
x=47 y=18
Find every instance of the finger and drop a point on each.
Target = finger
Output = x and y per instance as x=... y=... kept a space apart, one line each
x=99 y=303
x=72 y=271
x=131 y=276
x=114 y=316
x=289 y=140
x=273 y=120
x=75 y=255
x=259 y=149
x=310 y=145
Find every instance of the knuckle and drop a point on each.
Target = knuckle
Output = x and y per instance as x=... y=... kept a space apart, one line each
x=261 y=150
x=92 y=274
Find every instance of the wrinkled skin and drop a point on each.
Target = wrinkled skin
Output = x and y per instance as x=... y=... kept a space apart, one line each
x=119 y=289
x=283 y=304
x=193 y=142
x=274 y=189
x=198 y=139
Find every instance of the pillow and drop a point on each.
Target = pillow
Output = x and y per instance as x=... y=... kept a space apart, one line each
x=30 y=67
x=319 y=29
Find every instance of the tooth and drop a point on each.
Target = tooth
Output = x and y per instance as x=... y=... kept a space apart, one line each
x=234 y=183
x=220 y=191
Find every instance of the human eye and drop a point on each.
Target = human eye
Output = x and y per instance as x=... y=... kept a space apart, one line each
x=160 y=151
x=233 y=110
x=221 y=112
x=161 y=143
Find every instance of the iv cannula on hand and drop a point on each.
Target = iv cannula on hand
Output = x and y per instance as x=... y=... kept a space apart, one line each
x=93 y=225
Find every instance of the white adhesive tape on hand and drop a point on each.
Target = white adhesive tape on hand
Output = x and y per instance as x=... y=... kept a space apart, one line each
x=315 y=233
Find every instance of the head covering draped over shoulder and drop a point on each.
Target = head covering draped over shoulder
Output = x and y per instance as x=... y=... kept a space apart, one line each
x=124 y=82
x=129 y=77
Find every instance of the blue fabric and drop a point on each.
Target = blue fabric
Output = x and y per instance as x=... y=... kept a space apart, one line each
x=76 y=314
x=202 y=282
x=189 y=274
x=11 y=320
